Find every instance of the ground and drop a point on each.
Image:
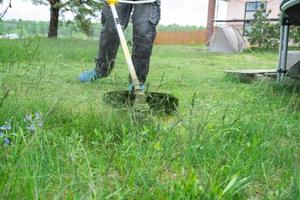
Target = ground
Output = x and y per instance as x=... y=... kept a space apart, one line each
x=229 y=140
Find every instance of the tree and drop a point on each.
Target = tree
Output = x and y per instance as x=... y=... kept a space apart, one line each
x=83 y=12
x=263 y=33
x=5 y=9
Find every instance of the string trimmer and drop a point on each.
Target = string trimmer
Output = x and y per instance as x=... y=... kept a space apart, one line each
x=138 y=98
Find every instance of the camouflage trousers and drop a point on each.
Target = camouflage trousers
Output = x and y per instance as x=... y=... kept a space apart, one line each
x=145 y=17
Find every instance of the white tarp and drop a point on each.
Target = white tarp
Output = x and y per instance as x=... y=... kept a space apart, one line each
x=227 y=40
x=10 y=36
x=292 y=58
x=293 y=64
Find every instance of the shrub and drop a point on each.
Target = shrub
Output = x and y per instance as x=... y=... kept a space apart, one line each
x=266 y=34
x=263 y=33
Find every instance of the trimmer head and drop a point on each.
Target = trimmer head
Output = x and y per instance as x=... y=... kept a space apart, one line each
x=158 y=103
x=140 y=102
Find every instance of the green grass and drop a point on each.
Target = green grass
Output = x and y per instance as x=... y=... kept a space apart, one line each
x=230 y=140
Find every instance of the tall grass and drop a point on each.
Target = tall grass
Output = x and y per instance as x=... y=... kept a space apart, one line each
x=229 y=140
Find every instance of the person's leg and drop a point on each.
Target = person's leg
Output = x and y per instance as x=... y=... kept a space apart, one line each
x=109 y=42
x=145 y=18
x=109 y=39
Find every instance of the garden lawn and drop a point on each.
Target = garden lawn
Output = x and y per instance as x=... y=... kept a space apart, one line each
x=229 y=140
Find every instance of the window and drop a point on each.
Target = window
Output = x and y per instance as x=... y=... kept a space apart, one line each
x=250 y=9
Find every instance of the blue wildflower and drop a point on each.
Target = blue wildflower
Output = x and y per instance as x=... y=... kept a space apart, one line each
x=37 y=115
x=6 y=141
x=1 y=134
x=6 y=127
x=31 y=128
x=41 y=124
x=14 y=134
x=28 y=117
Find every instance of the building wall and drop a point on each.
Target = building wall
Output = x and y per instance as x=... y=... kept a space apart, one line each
x=236 y=8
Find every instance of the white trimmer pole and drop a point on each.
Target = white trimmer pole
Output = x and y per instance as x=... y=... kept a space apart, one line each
x=137 y=2
x=131 y=69
x=141 y=99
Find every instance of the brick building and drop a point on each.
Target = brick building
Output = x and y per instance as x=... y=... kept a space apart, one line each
x=245 y=10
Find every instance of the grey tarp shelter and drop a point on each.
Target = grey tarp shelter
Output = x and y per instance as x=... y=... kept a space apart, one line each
x=226 y=40
x=291 y=16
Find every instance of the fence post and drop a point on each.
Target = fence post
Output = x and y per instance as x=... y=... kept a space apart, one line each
x=210 y=19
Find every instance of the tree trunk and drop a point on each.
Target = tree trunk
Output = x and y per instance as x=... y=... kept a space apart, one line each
x=53 y=26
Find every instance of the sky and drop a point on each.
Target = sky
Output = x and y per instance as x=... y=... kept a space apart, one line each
x=182 y=12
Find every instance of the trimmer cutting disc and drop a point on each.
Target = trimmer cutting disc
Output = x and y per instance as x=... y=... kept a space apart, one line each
x=159 y=103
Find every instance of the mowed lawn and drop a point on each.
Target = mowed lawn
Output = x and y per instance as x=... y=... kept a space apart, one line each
x=229 y=140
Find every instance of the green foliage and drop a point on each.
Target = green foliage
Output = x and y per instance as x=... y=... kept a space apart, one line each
x=83 y=11
x=265 y=34
x=178 y=28
x=68 y=29
x=229 y=140
x=295 y=34
x=262 y=33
